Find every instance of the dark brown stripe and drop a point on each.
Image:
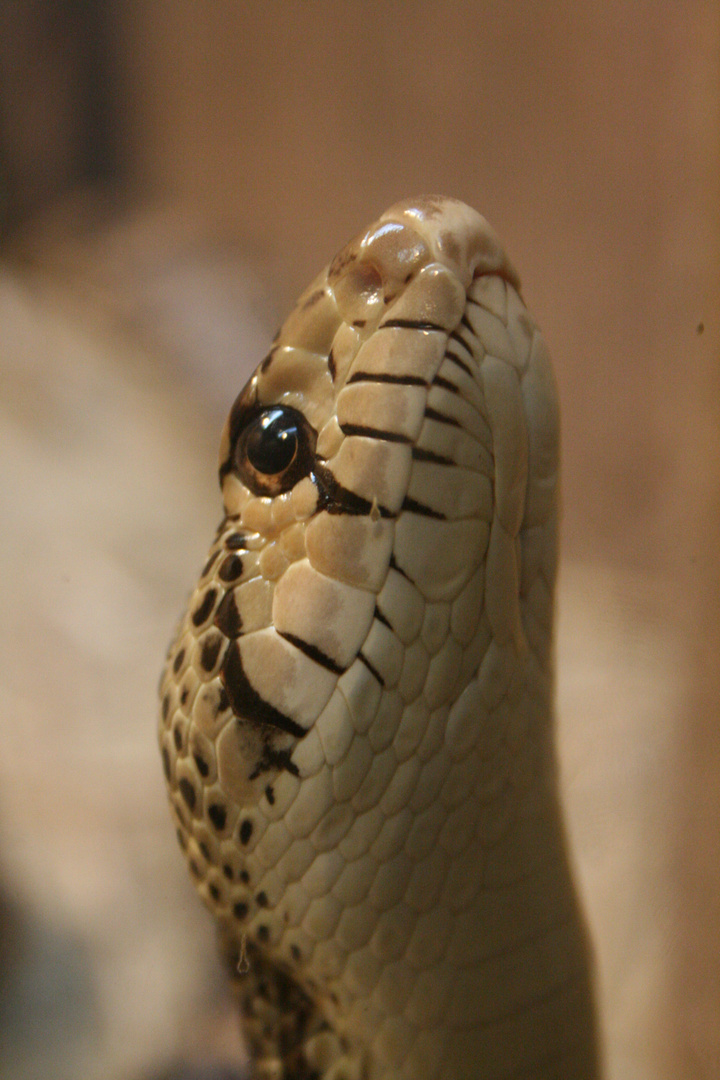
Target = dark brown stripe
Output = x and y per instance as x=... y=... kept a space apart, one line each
x=337 y=499
x=411 y=324
x=267 y=361
x=419 y=454
x=460 y=363
x=331 y=365
x=373 y=671
x=246 y=702
x=209 y=564
x=273 y=761
x=313 y=299
x=374 y=433
x=314 y=653
x=381 y=618
x=433 y=414
x=396 y=380
x=419 y=508
x=446 y=384
x=466 y=323
x=394 y=566
x=457 y=336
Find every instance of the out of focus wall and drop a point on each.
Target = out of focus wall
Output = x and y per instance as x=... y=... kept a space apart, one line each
x=590 y=137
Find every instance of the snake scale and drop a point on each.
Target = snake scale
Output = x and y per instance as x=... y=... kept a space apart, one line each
x=356 y=723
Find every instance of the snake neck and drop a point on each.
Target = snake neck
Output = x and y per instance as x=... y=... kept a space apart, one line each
x=482 y=969
x=520 y=997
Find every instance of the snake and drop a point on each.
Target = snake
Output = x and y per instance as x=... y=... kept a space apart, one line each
x=356 y=724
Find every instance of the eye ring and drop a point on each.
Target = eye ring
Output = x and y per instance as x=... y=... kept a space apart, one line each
x=275 y=448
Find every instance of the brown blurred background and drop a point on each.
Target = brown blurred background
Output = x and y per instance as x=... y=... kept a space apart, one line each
x=171 y=175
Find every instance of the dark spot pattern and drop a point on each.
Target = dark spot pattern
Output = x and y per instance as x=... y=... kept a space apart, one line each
x=240 y=910
x=227 y=617
x=188 y=792
x=246 y=831
x=166 y=762
x=202 y=611
x=218 y=815
x=178 y=661
x=210 y=652
x=231 y=569
x=236 y=542
x=202 y=766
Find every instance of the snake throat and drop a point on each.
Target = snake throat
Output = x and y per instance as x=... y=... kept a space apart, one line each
x=356 y=710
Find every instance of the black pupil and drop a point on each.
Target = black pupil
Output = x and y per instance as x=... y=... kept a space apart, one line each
x=271 y=443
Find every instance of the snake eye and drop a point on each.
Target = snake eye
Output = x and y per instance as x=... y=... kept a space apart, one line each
x=271 y=443
x=275 y=449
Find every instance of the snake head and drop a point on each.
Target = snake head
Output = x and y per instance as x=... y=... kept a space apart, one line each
x=385 y=557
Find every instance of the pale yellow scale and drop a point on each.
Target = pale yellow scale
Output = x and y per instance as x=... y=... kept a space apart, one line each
x=356 y=722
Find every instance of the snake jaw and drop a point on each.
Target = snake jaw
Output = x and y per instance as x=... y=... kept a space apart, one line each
x=369 y=636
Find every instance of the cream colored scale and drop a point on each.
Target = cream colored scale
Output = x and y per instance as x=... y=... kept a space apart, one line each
x=356 y=723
